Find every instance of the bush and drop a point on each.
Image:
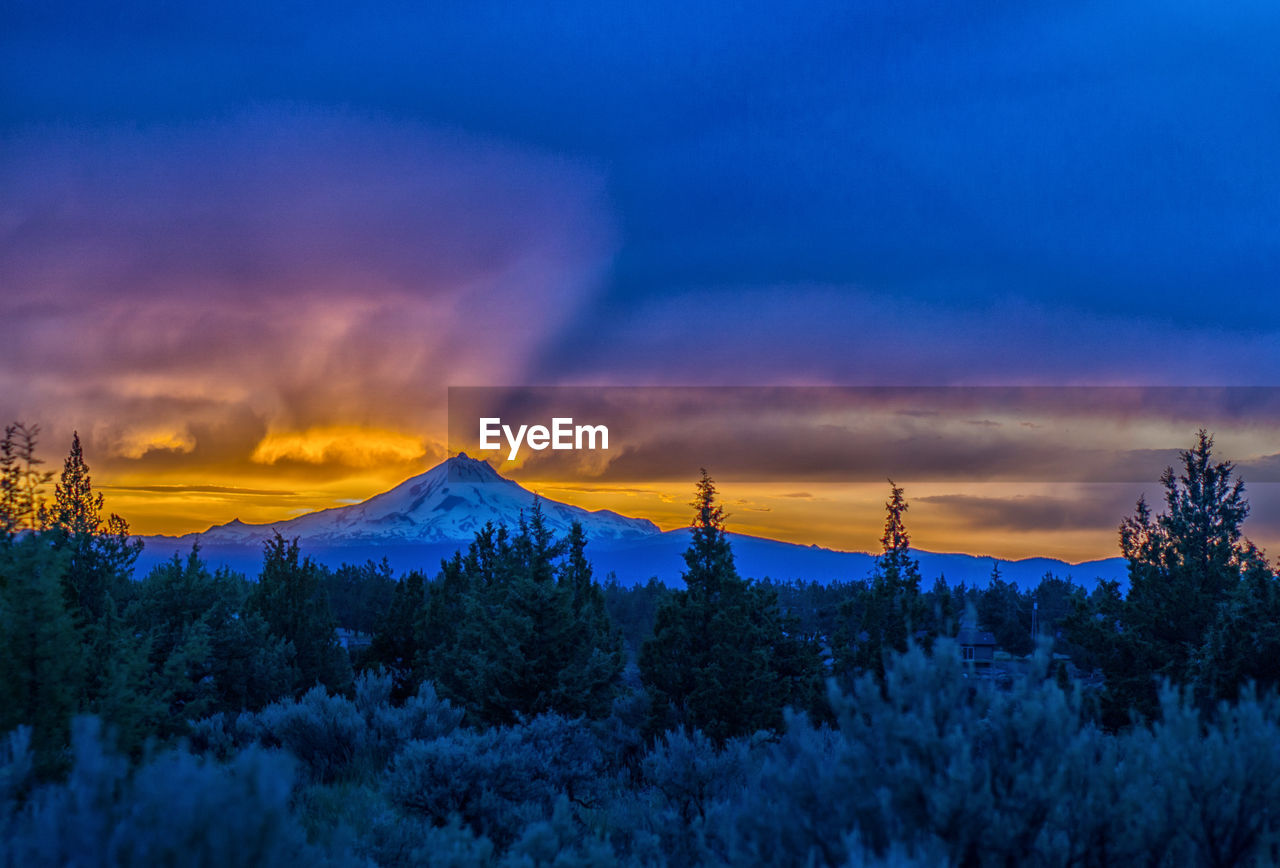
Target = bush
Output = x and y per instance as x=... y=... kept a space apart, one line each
x=334 y=738
x=175 y=809
x=498 y=781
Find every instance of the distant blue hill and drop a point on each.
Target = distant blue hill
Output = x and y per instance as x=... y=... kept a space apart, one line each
x=429 y=517
x=661 y=557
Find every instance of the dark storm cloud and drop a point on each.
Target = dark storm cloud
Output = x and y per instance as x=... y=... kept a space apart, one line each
x=859 y=193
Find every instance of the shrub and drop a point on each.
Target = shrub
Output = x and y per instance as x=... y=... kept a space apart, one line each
x=175 y=809
x=334 y=738
x=498 y=781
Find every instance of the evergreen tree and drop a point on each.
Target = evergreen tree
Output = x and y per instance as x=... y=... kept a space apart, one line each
x=42 y=663
x=596 y=651
x=943 y=608
x=709 y=558
x=120 y=686
x=885 y=617
x=895 y=563
x=1243 y=646
x=208 y=651
x=101 y=552
x=517 y=627
x=723 y=659
x=360 y=595
x=634 y=610
x=1185 y=567
x=20 y=480
x=1006 y=612
x=97 y=557
x=1186 y=561
x=290 y=598
x=398 y=643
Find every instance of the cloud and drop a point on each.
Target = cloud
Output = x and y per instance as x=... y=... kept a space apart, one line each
x=201 y=489
x=1034 y=513
x=852 y=334
x=346 y=445
x=827 y=194
x=860 y=434
x=213 y=288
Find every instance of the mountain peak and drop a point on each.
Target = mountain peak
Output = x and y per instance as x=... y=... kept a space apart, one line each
x=451 y=501
x=463 y=468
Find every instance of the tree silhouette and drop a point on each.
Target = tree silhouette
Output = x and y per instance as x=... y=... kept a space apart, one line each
x=723 y=659
x=881 y=616
x=1185 y=565
x=20 y=480
x=101 y=551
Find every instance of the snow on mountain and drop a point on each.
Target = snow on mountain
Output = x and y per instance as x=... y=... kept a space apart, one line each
x=450 y=502
x=428 y=517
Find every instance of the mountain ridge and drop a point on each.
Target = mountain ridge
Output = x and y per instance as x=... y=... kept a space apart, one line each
x=429 y=516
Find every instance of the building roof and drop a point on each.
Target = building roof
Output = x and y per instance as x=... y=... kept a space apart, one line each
x=976 y=637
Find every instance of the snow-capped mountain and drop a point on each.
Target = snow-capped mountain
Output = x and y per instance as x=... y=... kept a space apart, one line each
x=429 y=517
x=448 y=503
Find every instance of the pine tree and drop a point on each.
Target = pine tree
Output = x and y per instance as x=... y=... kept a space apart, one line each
x=1185 y=565
x=97 y=557
x=517 y=627
x=587 y=684
x=207 y=651
x=895 y=564
x=1184 y=562
x=20 y=480
x=944 y=611
x=723 y=659
x=398 y=644
x=290 y=597
x=709 y=558
x=885 y=617
x=101 y=551
x=1243 y=646
x=42 y=664
x=1006 y=612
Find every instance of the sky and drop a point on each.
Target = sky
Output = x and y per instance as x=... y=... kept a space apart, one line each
x=246 y=248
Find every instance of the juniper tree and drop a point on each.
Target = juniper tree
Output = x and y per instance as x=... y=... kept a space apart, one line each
x=516 y=639
x=1006 y=612
x=1243 y=645
x=97 y=556
x=587 y=684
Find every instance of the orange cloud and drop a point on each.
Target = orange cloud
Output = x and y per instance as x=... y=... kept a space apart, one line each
x=346 y=445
